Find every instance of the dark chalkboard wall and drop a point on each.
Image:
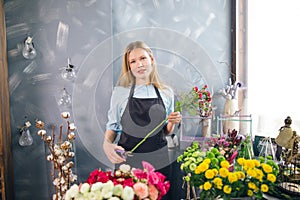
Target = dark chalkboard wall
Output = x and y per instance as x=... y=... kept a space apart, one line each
x=190 y=39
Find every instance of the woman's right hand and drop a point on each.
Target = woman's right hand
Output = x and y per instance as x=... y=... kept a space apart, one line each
x=110 y=151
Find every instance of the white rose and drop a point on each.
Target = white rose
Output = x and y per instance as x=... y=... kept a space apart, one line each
x=84 y=188
x=118 y=189
x=124 y=168
x=72 y=192
x=96 y=186
x=92 y=196
x=107 y=189
x=114 y=198
x=128 y=193
x=109 y=185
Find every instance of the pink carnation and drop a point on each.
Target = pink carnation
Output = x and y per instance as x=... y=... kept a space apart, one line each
x=141 y=190
x=140 y=174
x=153 y=178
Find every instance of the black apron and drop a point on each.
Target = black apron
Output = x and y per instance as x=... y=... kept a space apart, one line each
x=141 y=116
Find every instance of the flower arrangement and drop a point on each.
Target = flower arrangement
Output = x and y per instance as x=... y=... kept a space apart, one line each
x=209 y=172
x=60 y=155
x=196 y=102
x=230 y=90
x=228 y=144
x=126 y=183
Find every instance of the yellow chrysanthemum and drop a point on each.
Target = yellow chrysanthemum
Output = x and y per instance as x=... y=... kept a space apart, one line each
x=259 y=174
x=264 y=188
x=227 y=189
x=250 y=193
x=256 y=163
x=232 y=177
x=271 y=178
x=204 y=166
x=209 y=174
x=225 y=164
x=207 y=161
x=241 y=175
x=249 y=163
x=197 y=170
x=223 y=172
x=267 y=168
x=241 y=161
x=201 y=168
x=215 y=171
x=256 y=189
x=251 y=185
x=251 y=172
x=207 y=186
x=218 y=183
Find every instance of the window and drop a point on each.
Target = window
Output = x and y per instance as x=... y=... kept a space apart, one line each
x=273 y=62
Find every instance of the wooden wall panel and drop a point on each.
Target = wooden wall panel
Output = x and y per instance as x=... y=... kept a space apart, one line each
x=5 y=130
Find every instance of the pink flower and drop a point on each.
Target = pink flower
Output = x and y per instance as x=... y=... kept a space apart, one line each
x=138 y=173
x=233 y=156
x=141 y=190
x=148 y=167
x=163 y=188
x=153 y=192
x=160 y=176
x=153 y=178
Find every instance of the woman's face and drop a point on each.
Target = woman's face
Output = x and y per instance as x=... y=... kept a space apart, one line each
x=140 y=63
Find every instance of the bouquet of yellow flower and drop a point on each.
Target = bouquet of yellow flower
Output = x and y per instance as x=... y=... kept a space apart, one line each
x=210 y=173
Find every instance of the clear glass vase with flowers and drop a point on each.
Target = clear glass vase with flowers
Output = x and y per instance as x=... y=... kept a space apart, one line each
x=198 y=103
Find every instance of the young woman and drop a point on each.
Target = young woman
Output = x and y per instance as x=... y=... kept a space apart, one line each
x=140 y=104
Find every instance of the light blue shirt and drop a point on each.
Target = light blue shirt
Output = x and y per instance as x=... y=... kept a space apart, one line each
x=119 y=101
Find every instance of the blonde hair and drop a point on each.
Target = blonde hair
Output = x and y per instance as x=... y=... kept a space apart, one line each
x=127 y=79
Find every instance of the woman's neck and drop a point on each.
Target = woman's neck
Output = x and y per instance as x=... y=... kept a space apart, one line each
x=142 y=82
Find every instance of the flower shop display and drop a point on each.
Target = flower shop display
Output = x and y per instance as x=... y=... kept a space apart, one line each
x=214 y=177
x=232 y=145
x=126 y=183
x=60 y=155
x=197 y=102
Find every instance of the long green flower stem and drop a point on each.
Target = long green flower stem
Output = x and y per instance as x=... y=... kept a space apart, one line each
x=148 y=135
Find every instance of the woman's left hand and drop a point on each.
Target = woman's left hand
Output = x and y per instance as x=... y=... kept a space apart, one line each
x=175 y=118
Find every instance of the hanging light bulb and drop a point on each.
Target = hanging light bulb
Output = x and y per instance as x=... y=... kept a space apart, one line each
x=29 y=51
x=26 y=138
x=68 y=73
x=65 y=98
